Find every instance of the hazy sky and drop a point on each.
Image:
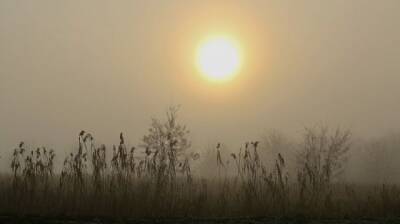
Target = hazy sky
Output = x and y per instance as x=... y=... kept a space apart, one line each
x=109 y=66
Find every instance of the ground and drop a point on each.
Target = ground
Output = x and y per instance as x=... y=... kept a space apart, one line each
x=245 y=220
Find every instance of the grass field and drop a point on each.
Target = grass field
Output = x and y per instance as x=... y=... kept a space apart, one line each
x=158 y=180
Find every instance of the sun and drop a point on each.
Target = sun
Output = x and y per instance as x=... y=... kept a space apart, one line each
x=219 y=58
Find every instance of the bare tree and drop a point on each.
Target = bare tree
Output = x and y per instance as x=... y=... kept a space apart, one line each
x=322 y=156
x=167 y=142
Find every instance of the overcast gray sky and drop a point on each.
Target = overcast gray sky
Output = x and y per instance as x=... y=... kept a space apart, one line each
x=109 y=66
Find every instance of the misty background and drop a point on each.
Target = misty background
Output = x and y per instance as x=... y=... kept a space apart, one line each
x=110 y=66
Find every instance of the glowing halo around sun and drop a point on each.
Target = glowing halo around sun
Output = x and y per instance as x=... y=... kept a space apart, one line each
x=219 y=58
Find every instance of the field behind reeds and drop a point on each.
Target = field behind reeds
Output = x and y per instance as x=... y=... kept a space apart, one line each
x=157 y=179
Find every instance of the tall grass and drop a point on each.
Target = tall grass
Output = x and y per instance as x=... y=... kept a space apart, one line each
x=156 y=179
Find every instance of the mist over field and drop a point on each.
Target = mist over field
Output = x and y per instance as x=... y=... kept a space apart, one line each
x=104 y=102
x=110 y=67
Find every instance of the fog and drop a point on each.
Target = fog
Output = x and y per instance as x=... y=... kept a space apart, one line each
x=110 y=66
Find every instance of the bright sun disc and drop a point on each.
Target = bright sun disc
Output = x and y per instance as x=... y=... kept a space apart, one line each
x=218 y=58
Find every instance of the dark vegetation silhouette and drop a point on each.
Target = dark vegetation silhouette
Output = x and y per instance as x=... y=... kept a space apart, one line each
x=156 y=179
